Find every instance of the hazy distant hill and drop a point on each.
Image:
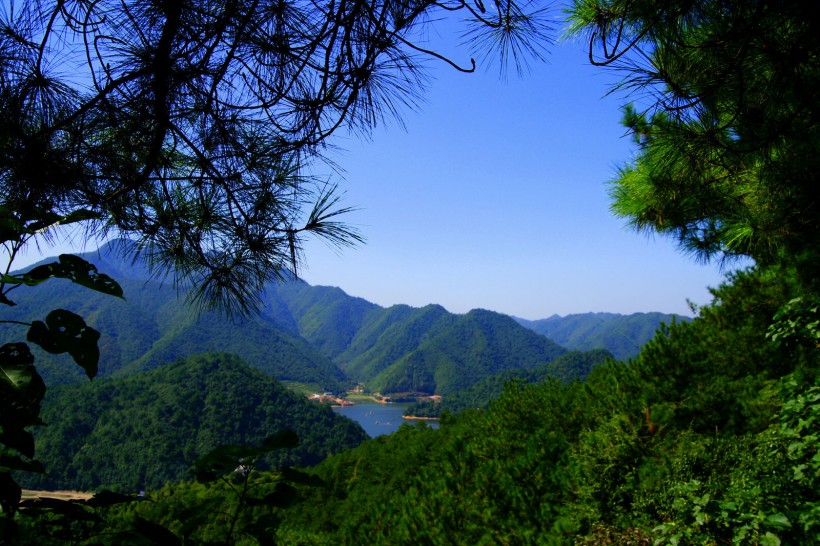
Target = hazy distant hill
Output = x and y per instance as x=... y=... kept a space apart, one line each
x=622 y=335
x=146 y=429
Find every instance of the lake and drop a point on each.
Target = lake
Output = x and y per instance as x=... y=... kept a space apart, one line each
x=378 y=419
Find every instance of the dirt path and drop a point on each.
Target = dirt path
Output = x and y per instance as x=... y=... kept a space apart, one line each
x=61 y=495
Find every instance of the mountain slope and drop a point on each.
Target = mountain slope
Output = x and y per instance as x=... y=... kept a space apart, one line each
x=476 y=345
x=326 y=316
x=569 y=367
x=622 y=335
x=146 y=429
x=154 y=326
x=315 y=334
x=393 y=334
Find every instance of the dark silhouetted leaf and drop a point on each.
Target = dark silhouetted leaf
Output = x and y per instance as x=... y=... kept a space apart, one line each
x=16 y=365
x=228 y=458
x=157 y=534
x=51 y=219
x=283 y=495
x=263 y=530
x=109 y=498
x=221 y=460
x=192 y=518
x=303 y=478
x=21 y=387
x=72 y=268
x=70 y=509
x=12 y=462
x=45 y=220
x=281 y=440
x=19 y=439
x=67 y=332
x=10 y=492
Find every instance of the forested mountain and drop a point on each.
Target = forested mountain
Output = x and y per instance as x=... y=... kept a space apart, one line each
x=311 y=334
x=471 y=347
x=389 y=335
x=571 y=366
x=708 y=437
x=146 y=429
x=325 y=316
x=622 y=335
x=153 y=326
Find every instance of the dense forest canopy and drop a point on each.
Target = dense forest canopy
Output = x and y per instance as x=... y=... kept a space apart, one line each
x=145 y=430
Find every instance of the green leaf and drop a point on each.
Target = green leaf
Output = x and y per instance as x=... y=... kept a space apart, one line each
x=72 y=268
x=67 y=332
x=769 y=539
x=729 y=505
x=778 y=521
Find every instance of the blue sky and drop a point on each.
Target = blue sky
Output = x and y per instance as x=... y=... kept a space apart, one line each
x=494 y=196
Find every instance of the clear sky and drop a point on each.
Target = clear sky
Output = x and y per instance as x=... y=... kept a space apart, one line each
x=494 y=196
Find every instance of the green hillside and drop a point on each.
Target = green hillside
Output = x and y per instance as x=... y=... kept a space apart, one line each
x=317 y=335
x=622 y=335
x=708 y=437
x=394 y=333
x=153 y=326
x=475 y=345
x=571 y=366
x=326 y=317
x=146 y=429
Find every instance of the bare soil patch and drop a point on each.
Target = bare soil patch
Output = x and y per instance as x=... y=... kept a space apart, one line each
x=61 y=495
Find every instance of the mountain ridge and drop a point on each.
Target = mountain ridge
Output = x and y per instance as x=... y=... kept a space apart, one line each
x=321 y=335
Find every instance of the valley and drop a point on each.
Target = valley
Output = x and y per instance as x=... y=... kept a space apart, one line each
x=317 y=340
x=505 y=420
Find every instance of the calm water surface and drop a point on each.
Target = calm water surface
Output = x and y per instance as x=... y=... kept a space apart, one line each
x=378 y=419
